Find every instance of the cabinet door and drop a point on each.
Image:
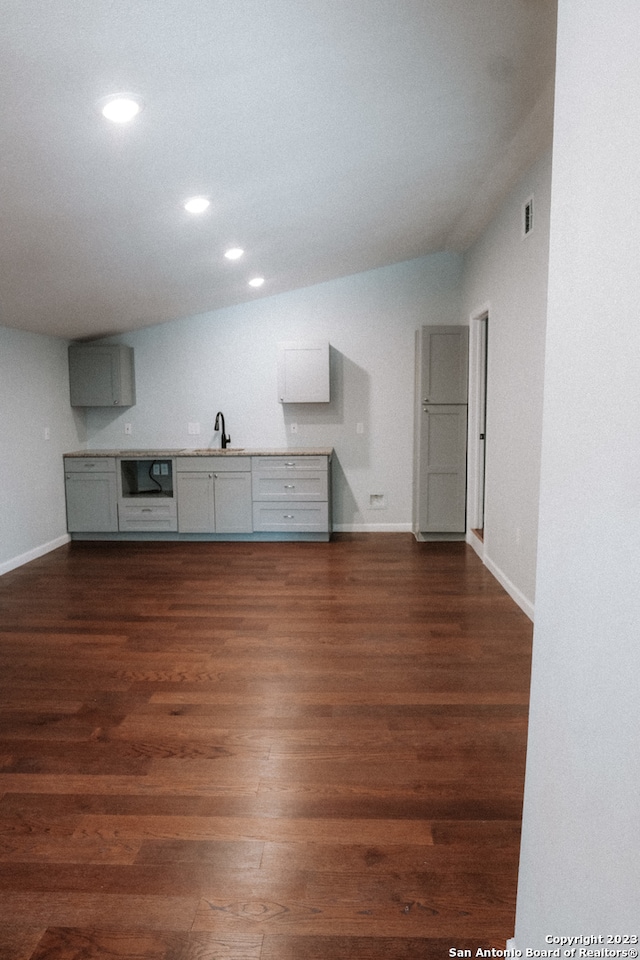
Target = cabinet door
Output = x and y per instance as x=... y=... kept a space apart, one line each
x=101 y=375
x=444 y=364
x=303 y=372
x=91 y=502
x=442 y=469
x=214 y=502
x=233 y=508
x=196 y=512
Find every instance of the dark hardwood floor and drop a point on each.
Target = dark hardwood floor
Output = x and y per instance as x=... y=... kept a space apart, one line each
x=268 y=751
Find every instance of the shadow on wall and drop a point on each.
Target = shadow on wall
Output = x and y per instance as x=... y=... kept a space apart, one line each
x=344 y=424
x=345 y=507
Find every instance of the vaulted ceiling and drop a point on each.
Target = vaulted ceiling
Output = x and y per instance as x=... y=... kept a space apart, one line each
x=330 y=136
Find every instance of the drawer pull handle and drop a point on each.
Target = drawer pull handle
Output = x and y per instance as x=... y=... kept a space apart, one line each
x=147 y=509
x=289 y=486
x=289 y=464
x=288 y=516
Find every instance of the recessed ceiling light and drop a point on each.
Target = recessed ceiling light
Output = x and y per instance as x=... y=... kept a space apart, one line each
x=196 y=204
x=234 y=253
x=120 y=108
x=256 y=282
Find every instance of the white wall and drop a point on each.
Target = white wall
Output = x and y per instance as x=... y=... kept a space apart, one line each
x=226 y=360
x=34 y=394
x=580 y=868
x=508 y=275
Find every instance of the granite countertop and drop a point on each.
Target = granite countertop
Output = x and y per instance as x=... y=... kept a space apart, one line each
x=206 y=452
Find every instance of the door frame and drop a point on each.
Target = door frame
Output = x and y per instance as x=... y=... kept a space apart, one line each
x=478 y=387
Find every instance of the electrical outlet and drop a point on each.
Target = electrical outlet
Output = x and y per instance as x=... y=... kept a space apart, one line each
x=128 y=429
x=377 y=501
x=294 y=428
x=193 y=428
x=47 y=433
x=359 y=427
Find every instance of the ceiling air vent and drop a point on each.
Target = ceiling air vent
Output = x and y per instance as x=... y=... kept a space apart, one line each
x=527 y=217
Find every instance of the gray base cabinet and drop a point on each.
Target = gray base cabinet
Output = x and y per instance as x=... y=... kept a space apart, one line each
x=168 y=496
x=91 y=495
x=214 y=495
x=146 y=517
x=291 y=494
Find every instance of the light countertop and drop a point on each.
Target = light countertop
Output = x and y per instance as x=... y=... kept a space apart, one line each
x=156 y=453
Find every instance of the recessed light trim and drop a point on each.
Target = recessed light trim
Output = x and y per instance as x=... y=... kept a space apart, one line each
x=256 y=282
x=120 y=107
x=197 y=204
x=234 y=253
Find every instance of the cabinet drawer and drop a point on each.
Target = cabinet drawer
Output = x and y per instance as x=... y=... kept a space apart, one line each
x=214 y=464
x=89 y=465
x=291 y=517
x=293 y=486
x=285 y=465
x=161 y=516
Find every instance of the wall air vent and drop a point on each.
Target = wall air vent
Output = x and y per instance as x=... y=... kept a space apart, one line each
x=527 y=217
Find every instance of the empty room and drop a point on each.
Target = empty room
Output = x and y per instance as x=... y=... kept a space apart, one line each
x=319 y=414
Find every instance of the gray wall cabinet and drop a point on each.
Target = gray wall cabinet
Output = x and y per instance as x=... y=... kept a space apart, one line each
x=440 y=457
x=303 y=371
x=101 y=375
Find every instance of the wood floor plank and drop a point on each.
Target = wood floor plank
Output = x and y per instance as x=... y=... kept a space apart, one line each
x=292 y=947
x=254 y=828
x=259 y=751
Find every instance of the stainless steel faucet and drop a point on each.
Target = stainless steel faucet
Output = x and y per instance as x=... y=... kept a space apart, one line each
x=224 y=440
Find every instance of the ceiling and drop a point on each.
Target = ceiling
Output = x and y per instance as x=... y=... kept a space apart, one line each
x=331 y=136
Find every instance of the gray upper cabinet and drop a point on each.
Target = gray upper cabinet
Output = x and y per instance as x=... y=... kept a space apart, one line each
x=303 y=371
x=444 y=364
x=101 y=375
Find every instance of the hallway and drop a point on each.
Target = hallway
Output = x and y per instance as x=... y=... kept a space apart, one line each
x=259 y=751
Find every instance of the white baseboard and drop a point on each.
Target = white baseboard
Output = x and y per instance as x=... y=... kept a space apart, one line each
x=33 y=554
x=523 y=602
x=372 y=528
x=476 y=543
